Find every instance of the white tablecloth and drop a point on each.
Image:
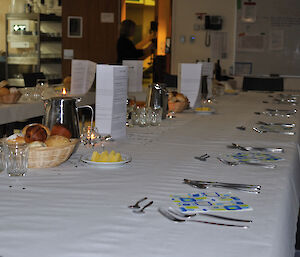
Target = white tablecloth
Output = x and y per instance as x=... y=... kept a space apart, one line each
x=82 y=211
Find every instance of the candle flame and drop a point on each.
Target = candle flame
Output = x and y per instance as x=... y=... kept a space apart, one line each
x=64 y=91
x=93 y=136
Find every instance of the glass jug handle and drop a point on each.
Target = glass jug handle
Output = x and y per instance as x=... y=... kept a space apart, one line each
x=92 y=113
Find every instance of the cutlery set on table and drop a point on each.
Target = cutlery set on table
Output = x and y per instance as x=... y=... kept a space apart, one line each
x=180 y=217
x=197 y=205
x=277 y=112
x=208 y=184
x=253 y=156
x=205 y=204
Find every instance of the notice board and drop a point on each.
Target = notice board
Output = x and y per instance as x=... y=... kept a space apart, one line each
x=267 y=37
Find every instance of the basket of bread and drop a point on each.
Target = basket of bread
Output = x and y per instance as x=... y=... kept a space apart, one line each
x=46 y=148
x=177 y=102
x=8 y=96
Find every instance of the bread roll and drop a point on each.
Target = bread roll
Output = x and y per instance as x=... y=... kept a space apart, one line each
x=36 y=144
x=16 y=138
x=3 y=83
x=180 y=97
x=35 y=132
x=34 y=124
x=4 y=91
x=55 y=141
x=67 y=79
x=60 y=130
x=67 y=82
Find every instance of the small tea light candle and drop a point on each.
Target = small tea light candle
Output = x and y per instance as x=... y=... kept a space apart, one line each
x=64 y=91
x=93 y=136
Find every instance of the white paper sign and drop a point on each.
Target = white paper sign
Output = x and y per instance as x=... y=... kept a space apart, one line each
x=68 y=54
x=135 y=75
x=107 y=17
x=190 y=82
x=111 y=98
x=83 y=76
x=251 y=43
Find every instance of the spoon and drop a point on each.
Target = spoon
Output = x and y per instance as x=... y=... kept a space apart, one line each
x=142 y=210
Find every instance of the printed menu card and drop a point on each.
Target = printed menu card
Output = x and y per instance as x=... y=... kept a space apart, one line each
x=135 y=75
x=111 y=98
x=190 y=82
x=83 y=76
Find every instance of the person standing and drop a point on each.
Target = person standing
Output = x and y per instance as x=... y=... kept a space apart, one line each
x=125 y=48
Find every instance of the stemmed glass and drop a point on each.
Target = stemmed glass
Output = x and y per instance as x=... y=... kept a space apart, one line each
x=41 y=85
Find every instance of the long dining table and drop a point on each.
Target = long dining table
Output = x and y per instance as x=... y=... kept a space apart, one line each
x=77 y=210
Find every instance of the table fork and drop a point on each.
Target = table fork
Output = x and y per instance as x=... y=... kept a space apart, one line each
x=170 y=216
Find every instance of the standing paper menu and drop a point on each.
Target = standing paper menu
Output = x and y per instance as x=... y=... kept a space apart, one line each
x=190 y=82
x=111 y=97
x=135 y=75
x=83 y=76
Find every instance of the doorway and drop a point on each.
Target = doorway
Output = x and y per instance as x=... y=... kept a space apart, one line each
x=143 y=12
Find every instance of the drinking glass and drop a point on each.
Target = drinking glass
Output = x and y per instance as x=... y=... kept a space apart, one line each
x=41 y=86
x=16 y=159
x=26 y=94
x=155 y=117
x=36 y=94
x=131 y=106
x=143 y=117
x=135 y=116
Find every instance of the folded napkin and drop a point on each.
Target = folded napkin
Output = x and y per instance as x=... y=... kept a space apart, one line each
x=256 y=157
x=207 y=202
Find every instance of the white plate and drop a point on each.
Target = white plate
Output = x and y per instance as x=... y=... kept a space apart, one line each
x=125 y=157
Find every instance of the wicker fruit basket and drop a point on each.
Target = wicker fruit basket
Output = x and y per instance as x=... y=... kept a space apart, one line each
x=47 y=157
x=11 y=98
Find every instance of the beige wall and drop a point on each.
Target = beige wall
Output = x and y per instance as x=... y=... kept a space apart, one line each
x=4 y=8
x=183 y=19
